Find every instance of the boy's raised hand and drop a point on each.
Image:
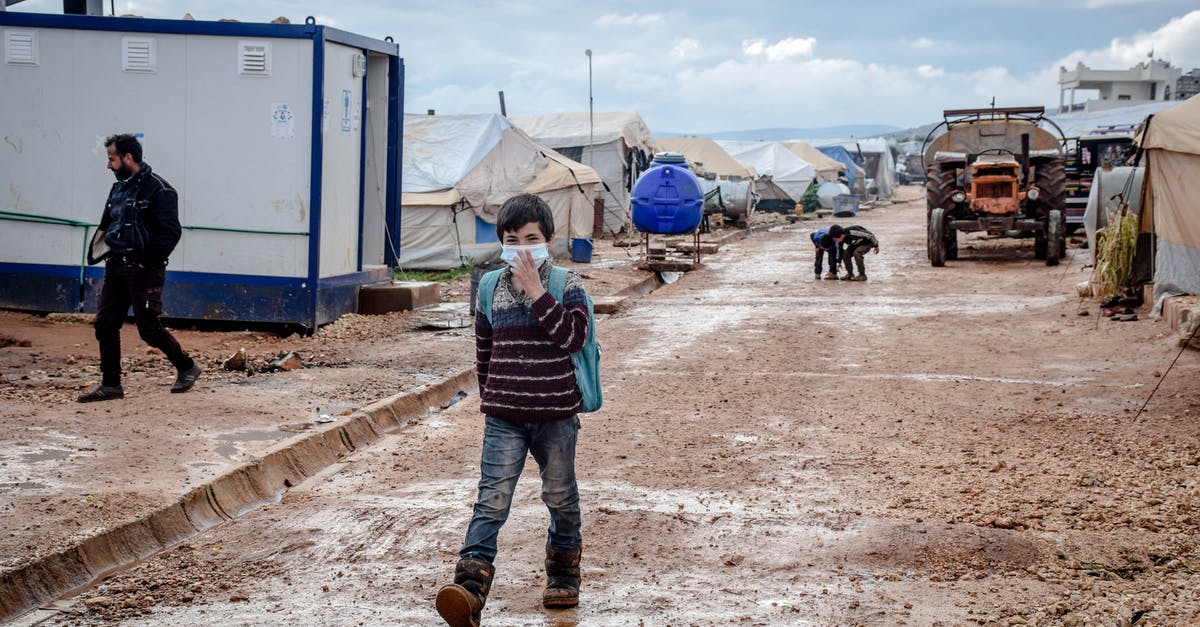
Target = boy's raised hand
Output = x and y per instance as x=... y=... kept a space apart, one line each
x=525 y=276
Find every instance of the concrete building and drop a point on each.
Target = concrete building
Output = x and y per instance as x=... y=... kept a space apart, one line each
x=1148 y=81
x=1188 y=85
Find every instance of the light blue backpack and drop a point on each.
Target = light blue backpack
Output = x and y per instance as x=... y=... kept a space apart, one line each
x=586 y=361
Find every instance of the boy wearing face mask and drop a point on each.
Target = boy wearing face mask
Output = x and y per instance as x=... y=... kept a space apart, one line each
x=530 y=403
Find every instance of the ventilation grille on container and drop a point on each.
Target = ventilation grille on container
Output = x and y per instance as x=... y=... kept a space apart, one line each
x=137 y=54
x=254 y=58
x=20 y=47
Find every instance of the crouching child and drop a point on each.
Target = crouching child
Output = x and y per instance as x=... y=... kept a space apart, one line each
x=853 y=243
x=825 y=247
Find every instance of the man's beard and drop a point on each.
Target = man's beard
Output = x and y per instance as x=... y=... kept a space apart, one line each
x=123 y=172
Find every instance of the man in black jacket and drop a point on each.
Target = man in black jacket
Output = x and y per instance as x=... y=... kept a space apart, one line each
x=138 y=231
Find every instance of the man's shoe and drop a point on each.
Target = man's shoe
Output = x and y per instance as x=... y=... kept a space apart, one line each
x=847 y=277
x=859 y=277
x=186 y=379
x=103 y=393
x=830 y=275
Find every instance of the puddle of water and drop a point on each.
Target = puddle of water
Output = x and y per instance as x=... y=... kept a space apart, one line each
x=46 y=454
x=230 y=448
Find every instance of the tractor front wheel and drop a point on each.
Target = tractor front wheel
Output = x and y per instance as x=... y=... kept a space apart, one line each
x=937 y=237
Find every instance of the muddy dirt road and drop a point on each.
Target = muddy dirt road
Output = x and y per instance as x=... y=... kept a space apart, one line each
x=936 y=446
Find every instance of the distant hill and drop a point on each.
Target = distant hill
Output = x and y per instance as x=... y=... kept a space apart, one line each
x=784 y=134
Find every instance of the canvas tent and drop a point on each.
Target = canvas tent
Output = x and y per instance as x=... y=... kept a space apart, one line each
x=855 y=175
x=459 y=169
x=774 y=164
x=1170 y=211
x=877 y=161
x=827 y=168
x=716 y=168
x=617 y=144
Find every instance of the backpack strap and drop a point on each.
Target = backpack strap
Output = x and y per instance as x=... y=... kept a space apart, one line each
x=487 y=290
x=557 y=283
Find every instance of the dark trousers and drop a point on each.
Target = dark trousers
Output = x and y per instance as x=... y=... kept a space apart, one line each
x=125 y=286
x=832 y=254
x=856 y=254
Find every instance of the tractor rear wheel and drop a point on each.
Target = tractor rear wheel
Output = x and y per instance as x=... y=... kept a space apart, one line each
x=936 y=241
x=940 y=185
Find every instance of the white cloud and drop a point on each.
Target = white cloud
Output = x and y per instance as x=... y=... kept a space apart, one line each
x=1178 y=41
x=685 y=48
x=784 y=49
x=923 y=43
x=928 y=71
x=633 y=19
x=1100 y=4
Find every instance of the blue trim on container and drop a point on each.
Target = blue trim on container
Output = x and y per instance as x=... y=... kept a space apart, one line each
x=145 y=25
x=71 y=272
x=362 y=155
x=195 y=295
x=196 y=27
x=395 y=158
x=316 y=169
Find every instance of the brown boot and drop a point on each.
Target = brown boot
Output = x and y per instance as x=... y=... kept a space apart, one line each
x=460 y=603
x=562 y=577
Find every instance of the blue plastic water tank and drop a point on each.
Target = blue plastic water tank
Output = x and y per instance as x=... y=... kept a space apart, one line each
x=667 y=198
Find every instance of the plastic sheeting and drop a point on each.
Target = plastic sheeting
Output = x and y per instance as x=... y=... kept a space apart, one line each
x=1171 y=140
x=828 y=168
x=772 y=159
x=604 y=142
x=1101 y=202
x=475 y=163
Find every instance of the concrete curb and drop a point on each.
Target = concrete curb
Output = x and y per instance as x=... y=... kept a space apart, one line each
x=1182 y=314
x=256 y=483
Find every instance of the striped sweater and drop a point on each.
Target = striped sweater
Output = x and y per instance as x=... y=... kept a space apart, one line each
x=523 y=357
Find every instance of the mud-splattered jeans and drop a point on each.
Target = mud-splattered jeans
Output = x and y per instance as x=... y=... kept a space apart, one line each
x=505 y=447
x=133 y=286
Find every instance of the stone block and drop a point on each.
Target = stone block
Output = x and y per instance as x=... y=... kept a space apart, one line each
x=397 y=296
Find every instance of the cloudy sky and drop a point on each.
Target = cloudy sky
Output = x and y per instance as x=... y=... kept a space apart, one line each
x=702 y=66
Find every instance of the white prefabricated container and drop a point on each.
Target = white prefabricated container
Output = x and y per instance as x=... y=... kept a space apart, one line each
x=282 y=140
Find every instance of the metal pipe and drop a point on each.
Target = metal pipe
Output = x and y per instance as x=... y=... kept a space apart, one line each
x=591 y=115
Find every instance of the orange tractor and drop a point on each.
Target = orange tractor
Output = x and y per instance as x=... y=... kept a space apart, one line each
x=995 y=170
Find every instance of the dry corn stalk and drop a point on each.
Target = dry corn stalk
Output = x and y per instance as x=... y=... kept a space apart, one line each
x=1115 y=244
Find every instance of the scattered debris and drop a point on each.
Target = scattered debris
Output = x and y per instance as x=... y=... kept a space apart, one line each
x=286 y=361
x=236 y=361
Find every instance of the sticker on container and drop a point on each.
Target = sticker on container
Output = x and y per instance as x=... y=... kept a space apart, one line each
x=346 y=110
x=283 y=121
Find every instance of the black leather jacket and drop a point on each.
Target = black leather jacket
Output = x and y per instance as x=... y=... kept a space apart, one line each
x=151 y=202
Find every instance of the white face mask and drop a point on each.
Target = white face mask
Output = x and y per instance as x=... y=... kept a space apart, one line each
x=508 y=252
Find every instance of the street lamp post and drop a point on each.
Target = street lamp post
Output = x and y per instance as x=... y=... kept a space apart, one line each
x=591 y=119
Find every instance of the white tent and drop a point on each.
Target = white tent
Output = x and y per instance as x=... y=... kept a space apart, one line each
x=717 y=168
x=827 y=168
x=618 y=144
x=878 y=162
x=1171 y=139
x=459 y=169
x=772 y=159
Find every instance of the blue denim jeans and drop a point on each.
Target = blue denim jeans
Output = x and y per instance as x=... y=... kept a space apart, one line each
x=505 y=446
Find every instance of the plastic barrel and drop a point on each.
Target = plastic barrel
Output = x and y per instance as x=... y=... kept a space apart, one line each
x=581 y=250
x=667 y=198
